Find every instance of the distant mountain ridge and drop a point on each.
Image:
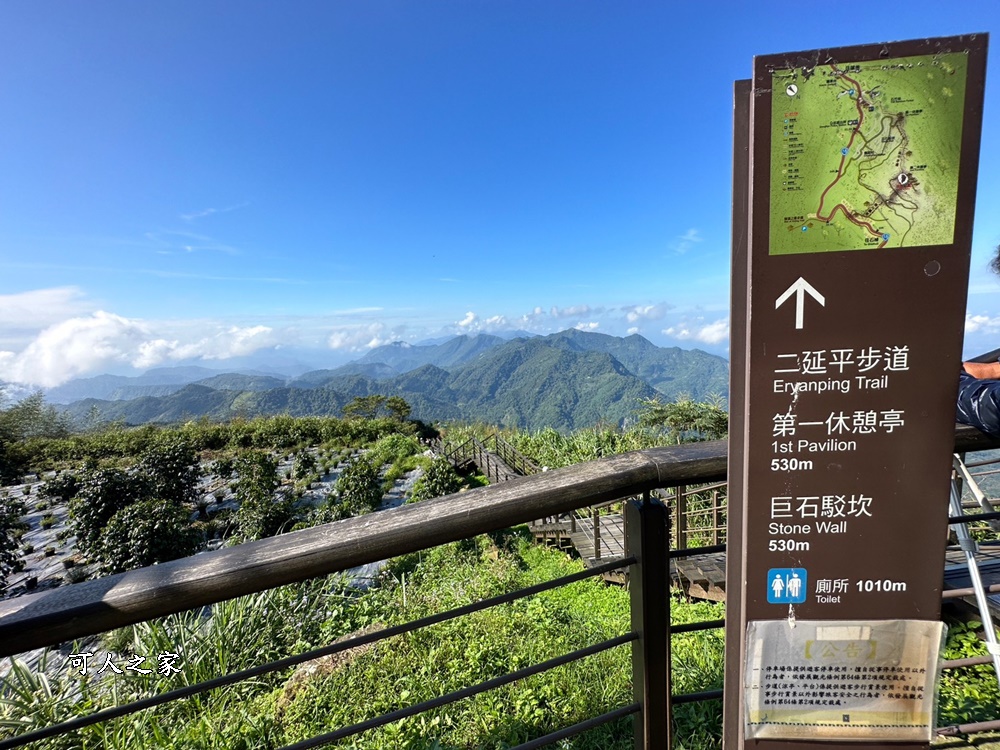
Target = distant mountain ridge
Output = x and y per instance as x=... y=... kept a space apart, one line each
x=565 y=380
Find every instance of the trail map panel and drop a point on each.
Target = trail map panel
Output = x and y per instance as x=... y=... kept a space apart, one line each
x=865 y=155
x=852 y=358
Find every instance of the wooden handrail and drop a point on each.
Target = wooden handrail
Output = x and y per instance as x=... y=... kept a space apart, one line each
x=92 y=607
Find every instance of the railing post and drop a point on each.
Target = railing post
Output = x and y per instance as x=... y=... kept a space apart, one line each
x=682 y=520
x=596 y=517
x=649 y=541
x=625 y=545
x=715 y=516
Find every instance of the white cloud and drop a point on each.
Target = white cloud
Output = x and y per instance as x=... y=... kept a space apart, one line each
x=227 y=343
x=711 y=333
x=82 y=345
x=633 y=330
x=591 y=326
x=635 y=313
x=74 y=347
x=981 y=324
x=39 y=308
x=573 y=311
x=358 y=337
x=686 y=241
x=472 y=323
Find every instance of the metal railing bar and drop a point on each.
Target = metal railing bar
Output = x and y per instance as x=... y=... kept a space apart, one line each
x=290 y=661
x=693 y=627
x=458 y=695
x=984 y=462
x=956 y=729
x=958 y=593
x=704 y=695
x=972 y=661
x=974 y=517
x=692 y=551
x=579 y=728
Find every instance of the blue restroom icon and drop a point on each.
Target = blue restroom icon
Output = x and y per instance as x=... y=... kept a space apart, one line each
x=786 y=585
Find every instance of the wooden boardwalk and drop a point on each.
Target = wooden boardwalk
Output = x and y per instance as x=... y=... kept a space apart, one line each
x=703 y=576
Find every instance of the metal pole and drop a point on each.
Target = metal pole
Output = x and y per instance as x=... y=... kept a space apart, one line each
x=970 y=547
x=597 y=534
x=648 y=539
x=682 y=518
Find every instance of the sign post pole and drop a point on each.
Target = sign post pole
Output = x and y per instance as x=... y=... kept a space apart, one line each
x=863 y=165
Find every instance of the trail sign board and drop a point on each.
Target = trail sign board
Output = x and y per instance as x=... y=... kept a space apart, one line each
x=862 y=174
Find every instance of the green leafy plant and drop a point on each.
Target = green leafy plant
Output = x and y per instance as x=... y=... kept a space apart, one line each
x=147 y=532
x=171 y=465
x=62 y=487
x=440 y=479
x=261 y=513
x=970 y=694
x=102 y=493
x=358 y=489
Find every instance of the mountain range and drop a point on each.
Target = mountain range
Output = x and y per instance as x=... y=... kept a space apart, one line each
x=565 y=380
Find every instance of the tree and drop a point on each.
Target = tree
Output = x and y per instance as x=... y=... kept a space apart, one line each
x=375 y=406
x=31 y=417
x=687 y=420
x=363 y=407
x=398 y=407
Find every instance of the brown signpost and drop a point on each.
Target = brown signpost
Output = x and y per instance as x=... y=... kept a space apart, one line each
x=862 y=177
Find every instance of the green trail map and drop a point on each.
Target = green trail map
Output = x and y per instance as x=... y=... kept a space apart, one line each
x=865 y=155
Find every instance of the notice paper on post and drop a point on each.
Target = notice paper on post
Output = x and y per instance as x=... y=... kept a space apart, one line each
x=842 y=679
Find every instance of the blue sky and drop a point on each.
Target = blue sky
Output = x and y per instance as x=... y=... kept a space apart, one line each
x=299 y=181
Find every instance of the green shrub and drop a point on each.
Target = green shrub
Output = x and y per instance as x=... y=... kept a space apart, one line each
x=62 y=488
x=102 y=493
x=359 y=489
x=48 y=521
x=147 y=532
x=305 y=464
x=261 y=514
x=171 y=464
x=440 y=479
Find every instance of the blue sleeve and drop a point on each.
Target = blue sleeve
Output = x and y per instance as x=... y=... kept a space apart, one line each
x=979 y=403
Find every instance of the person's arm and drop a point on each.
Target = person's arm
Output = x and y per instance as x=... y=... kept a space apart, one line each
x=983 y=370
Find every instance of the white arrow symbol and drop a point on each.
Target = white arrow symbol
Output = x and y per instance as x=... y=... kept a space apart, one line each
x=800 y=288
